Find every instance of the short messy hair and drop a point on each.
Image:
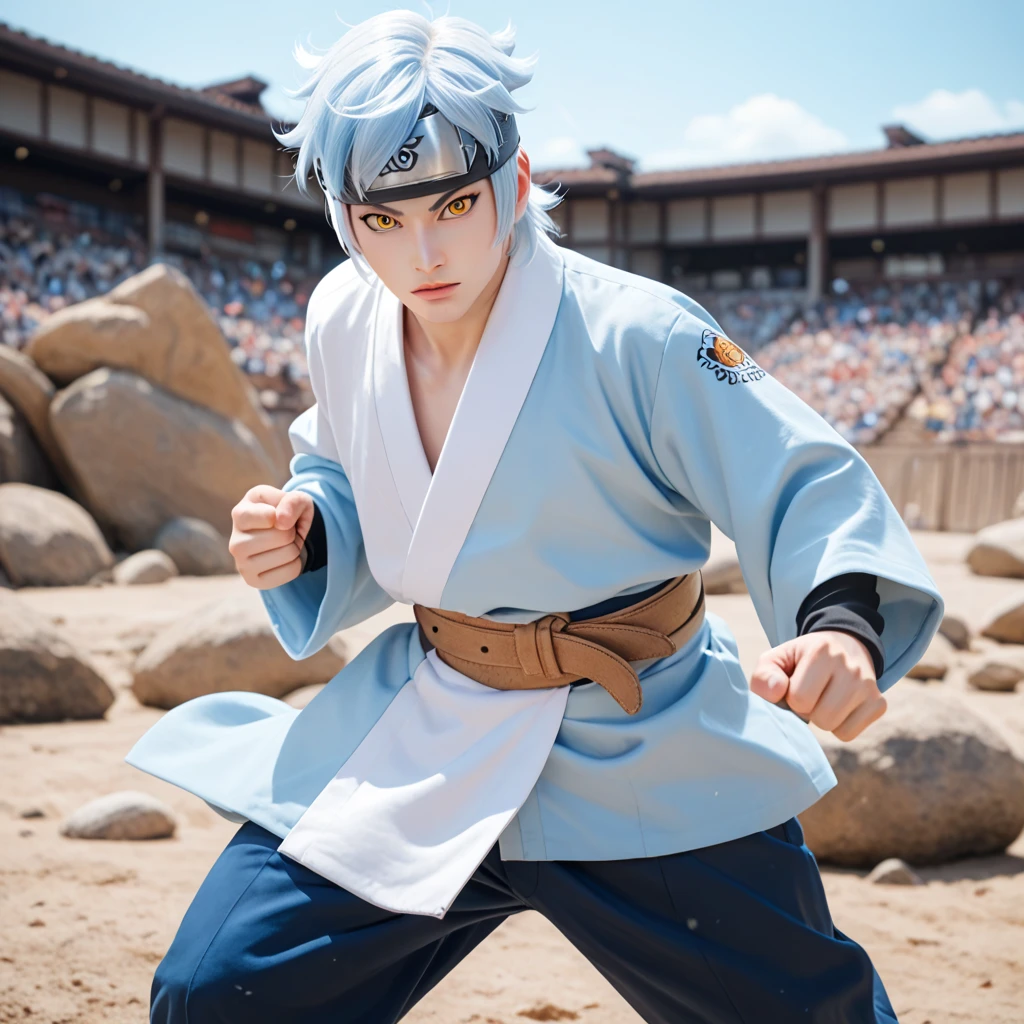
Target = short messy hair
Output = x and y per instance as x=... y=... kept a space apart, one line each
x=366 y=92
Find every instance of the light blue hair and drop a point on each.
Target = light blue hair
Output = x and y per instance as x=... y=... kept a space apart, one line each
x=366 y=93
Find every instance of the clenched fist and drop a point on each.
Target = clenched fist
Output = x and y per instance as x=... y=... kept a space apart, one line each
x=827 y=678
x=269 y=527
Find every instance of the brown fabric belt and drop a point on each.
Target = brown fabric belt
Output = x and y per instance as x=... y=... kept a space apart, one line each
x=553 y=651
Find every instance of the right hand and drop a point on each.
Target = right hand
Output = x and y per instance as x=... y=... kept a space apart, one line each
x=269 y=527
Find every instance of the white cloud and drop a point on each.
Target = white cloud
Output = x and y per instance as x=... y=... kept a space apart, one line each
x=560 y=153
x=765 y=127
x=946 y=115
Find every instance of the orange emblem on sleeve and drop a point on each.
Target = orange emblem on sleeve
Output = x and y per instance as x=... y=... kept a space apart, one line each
x=727 y=353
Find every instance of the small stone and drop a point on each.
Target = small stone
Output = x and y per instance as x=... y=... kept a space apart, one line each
x=1005 y=622
x=148 y=566
x=998 y=550
x=955 y=630
x=722 y=574
x=125 y=815
x=934 y=663
x=894 y=871
x=998 y=673
x=32 y=812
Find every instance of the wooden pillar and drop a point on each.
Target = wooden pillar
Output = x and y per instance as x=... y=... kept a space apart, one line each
x=817 y=246
x=155 y=186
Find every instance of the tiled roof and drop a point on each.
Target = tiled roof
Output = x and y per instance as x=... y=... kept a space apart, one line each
x=151 y=88
x=834 y=165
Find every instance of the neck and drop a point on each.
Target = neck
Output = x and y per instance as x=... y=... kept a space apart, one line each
x=451 y=345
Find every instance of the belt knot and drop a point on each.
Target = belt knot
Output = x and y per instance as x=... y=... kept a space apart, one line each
x=535 y=646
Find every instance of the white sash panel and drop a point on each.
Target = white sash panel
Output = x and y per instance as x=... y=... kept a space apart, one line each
x=424 y=797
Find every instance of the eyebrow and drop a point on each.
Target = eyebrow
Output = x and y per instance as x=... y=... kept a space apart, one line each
x=444 y=198
x=398 y=213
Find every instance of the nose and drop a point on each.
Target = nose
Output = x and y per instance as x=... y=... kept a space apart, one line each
x=429 y=256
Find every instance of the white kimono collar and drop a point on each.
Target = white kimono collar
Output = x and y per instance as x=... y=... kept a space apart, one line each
x=440 y=508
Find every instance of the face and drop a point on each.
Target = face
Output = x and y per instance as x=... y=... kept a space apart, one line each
x=435 y=253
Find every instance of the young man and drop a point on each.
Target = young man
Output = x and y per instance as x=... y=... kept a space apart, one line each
x=529 y=447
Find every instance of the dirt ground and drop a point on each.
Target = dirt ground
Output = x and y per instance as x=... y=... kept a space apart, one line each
x=84 y=923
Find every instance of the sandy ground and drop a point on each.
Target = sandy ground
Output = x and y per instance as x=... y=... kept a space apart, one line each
x=83 y=924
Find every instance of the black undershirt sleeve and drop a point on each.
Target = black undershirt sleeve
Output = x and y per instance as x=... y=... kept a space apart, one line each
x=315 y=543
x=849 y=604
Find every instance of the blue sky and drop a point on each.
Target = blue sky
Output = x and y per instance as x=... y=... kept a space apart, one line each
x=671 y=84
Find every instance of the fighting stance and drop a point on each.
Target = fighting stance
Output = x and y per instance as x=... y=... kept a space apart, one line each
x=528 y=447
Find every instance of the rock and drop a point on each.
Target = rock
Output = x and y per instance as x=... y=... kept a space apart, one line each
x=1005 y=622
x=144 y=567
x=156 y=325
x=145 y=456
x=894 y=872
x=956 y=631
x=196 y=547
x=998 y=550
x=124 y=815
x=47 y=540
x=1000 y=669
x=935 y=662
x=227 y=645
x=30 y=391
x=43 y=676
x=928 y=782
x=21 y=459
x=5 y=581
x=722 y=575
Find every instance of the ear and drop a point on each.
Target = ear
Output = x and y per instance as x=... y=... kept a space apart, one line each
x=522 y=183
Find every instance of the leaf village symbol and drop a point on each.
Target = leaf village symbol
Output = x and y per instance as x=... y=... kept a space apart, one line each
x=726 y=360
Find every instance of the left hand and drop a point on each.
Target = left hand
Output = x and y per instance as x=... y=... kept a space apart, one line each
x=827 y=678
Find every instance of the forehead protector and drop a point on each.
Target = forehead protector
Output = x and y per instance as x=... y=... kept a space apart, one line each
x=437 y=157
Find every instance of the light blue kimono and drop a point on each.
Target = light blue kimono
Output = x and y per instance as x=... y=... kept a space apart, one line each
x=602 y=428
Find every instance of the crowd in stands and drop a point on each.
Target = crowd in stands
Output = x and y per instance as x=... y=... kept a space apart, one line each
x=978 y=395
x=860 y=356
x=55 y=252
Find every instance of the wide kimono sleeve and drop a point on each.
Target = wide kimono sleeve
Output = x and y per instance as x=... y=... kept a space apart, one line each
x=306 y=612
x=800 y=503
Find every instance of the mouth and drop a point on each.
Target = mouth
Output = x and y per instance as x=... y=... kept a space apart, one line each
x=435 y=291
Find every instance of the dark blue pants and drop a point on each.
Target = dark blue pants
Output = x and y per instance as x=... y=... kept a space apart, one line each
x=738 y=933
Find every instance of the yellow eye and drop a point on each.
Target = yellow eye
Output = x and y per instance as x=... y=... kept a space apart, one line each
x=459 y=206
x=382 y=222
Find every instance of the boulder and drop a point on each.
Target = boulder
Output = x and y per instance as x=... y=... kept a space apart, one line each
x=125 y=815
x=1000 y=668
x=43 y=676
x=894 y=872
x=928 y=782
x=30 y=391
x=21 y=459
x=936 y=660
x=195 y=547
x=1005 y=622
x=144 y=456
x=227 y=645
x=148 y=566
x=156 y=325
x=47 y=540
x=998 y=550
x=956 y=631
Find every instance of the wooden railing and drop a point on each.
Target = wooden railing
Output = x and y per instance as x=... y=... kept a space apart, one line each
x=946 y=487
